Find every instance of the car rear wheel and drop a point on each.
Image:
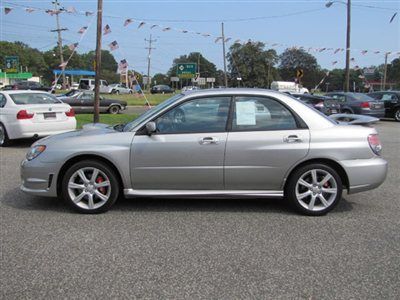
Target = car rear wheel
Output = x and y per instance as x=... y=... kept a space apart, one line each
x=314 y=189
x=114 y=110
x=397 y=115
x=90 y=187
x=4 y=141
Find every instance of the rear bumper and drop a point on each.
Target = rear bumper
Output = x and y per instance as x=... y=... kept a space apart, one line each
x=365 y=174
x=29 y=129
x=373 y=113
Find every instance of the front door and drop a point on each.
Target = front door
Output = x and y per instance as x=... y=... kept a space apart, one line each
x=265 y=140
x=187 y=150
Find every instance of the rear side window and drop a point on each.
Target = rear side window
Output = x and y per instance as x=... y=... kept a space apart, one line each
x=2 y=100
x=34 y=98
x=260 y=113
x=388 y=97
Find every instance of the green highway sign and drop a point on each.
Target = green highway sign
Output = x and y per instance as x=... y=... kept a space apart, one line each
x=11 y=64
x=186 y=70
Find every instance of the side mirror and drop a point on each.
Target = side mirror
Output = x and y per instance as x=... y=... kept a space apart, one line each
x=151 y=128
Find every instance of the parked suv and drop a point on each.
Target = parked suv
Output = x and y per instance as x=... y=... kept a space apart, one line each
x=27 y=85
x=88 y=84
x=358 y=103
x=391 y=100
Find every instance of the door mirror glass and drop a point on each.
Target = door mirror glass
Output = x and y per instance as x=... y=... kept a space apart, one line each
x=151 y=128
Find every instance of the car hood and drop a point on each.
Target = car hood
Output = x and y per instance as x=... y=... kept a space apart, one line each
x=88 y=131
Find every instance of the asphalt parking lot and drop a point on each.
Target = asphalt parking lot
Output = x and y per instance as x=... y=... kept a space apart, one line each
x=220 y=249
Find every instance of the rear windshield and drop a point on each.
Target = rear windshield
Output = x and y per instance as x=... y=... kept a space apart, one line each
x=361 y=97
x=34 y=98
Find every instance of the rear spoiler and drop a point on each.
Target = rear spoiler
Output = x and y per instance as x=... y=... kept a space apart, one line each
x=350 y=119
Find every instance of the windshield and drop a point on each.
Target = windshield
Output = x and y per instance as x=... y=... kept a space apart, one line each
x=151 y=112
x=34 y=98
x=361 y=97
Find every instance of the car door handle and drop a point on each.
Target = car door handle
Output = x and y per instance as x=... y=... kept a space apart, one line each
x=292 y=139
x=208 y=141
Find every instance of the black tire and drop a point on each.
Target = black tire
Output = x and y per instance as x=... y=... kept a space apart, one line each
x=4 y=140
x=397 y=115
x=131 y=92
x=116 y=92
x=107 y=170
x=319 y=210
x=114 y=110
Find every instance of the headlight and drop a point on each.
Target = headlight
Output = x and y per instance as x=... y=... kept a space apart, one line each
x=35 y=152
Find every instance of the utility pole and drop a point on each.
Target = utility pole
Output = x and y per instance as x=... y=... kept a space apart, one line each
x=347 y=83
x=60 y=47
x=149 y=60
x=223 y=51
x=385 y=71
x=96 y=115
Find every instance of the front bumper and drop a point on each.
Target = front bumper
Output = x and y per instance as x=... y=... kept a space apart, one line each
x=365 y=174
x=38 y=178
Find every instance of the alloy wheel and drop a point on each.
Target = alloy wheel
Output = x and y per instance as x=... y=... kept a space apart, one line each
x=397 y=115
x=316 y=190
x=89 y=188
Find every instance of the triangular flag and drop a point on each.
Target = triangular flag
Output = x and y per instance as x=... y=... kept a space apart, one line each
x=153 y=26
x=29 y=9
x=127 y=22
x=82 y=30
x=113 y=46
x=392 y=18
x=88 y=13
x=364 y=52
x=106 y=30
x=166 y=29
x=227 y=39
x=141 y=24
x=334 y=62
x=7 y=10
x=218 y=39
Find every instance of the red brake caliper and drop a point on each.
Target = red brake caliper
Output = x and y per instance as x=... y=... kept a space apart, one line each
x=100 y=179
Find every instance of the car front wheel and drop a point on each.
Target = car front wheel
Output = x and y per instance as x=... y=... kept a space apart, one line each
x=114 y=110
x=397 y=115
x=314 y=189
x=90 y=187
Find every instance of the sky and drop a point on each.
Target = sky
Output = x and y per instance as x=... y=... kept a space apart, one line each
x=306 y=23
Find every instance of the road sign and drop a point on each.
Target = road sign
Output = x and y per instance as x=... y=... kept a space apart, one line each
x=174 y=79
x=299 y=73
x=210 y=79
x=11 y=64
x=186 y=70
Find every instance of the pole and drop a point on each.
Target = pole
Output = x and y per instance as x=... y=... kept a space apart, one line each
x=347 y=83
x=96 y=115
x=149 y=61
x=60 y=47
x=223 y=51
x=385 y=71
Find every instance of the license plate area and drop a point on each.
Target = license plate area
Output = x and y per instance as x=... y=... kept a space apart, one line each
x=50 y=115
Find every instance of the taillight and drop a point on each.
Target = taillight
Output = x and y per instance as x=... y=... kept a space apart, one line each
x=23 y=115
x=375 y=143
x=365 y=105
x=70 y=113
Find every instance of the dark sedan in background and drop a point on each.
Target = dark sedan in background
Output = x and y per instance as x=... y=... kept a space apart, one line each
x=326 y=105
x=391 y=100
x=83 y=102
x=358 y=103
x=27 y=85
x=161 y=89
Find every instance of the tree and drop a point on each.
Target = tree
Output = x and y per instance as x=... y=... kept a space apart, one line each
x=207 y=68
x=252 y=64
x=393 y=71
x=293 y=59
x=160 y=79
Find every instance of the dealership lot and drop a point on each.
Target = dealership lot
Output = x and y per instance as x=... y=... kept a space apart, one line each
x=180 y=248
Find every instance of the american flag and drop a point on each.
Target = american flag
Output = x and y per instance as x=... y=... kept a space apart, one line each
x=107 y=29
x=7 y=10
x=82 y=30
x=53 y=12
x=73 y=46
x=127 y=22
x=29 y=9
x=63 y=65
x=113 y=46
x=123 y=65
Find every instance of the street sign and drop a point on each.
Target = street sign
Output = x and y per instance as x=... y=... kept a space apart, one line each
x=11 y=64
x=174 y=79
x=210 y=79
x=186 y=70
x=299 y=73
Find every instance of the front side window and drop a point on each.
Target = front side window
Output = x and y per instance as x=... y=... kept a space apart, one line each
x=196 y=116
x=87 y=96
x=34 y=98
x=2 y=100
x=260 y=113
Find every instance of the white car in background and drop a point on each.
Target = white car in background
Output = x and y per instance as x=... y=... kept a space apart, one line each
x=32 y=114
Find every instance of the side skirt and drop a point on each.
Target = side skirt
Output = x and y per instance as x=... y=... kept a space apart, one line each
x=202 y=193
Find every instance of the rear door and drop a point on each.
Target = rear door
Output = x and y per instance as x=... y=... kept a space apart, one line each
x=264 y=142
x=86 y=100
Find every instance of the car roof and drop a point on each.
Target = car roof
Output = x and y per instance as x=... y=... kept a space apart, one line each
x=23 y=92
x=233 y=91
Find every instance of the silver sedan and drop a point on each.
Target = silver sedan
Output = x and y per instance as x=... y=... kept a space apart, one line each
x=210 y=143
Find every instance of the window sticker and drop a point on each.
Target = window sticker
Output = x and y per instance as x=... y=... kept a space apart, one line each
x=246 y=113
